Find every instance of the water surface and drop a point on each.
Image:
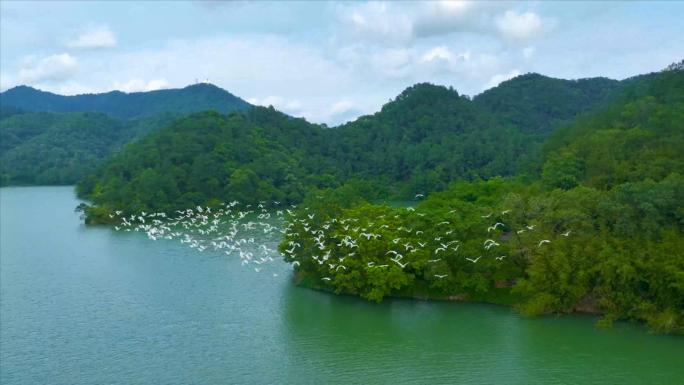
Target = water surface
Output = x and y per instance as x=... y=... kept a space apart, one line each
x=88 y=305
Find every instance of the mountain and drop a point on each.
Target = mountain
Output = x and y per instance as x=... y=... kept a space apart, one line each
x=425 y=138
x=54 y=139
x=7 y=111
x=638 y=135
x=572 y=206
x=535 y=103
x=194 y=98
x=261 y=154
x=597 y=227
x=60 y=148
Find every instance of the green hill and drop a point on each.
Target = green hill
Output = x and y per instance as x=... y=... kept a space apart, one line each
x=596 y=227
x=536 y=103
x=421 y=141
x=194 y=98
x=53 y=139
x=258 y=155
x=60 y=148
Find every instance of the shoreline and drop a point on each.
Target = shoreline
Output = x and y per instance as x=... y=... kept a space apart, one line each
x=299 y=280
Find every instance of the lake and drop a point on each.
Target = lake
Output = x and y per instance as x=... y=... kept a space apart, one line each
x=89 y=305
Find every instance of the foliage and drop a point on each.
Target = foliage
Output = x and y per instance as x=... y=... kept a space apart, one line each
x=618 y=252
x=426 y=138
x=535 y=103
x=246 y=157
x=550 y=195
x=67 y=137
x=61 y=148
x=607 y=197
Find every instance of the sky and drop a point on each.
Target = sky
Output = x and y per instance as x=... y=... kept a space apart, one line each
x=328 y=62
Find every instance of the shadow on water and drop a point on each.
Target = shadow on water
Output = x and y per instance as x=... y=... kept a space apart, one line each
x=343 y=337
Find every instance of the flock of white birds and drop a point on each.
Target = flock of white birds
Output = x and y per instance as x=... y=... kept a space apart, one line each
x=344 y=235
x=253 y=232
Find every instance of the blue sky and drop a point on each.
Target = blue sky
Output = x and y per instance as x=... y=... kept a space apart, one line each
x=328 y=62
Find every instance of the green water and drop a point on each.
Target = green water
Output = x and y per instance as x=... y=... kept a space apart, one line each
x=82 y=305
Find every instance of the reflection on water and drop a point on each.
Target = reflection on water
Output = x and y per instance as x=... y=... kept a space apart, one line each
x=84 y=305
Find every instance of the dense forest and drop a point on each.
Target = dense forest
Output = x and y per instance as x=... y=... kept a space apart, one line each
x=549 y=195
x=595 y=227
x=206 y=157
x=425 y=138
x=53 y=139
x=61 y=148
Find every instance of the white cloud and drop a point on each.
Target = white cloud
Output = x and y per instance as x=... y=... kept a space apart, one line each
x=444 y=17
x=377 y=21
x=6 y=81
x=437 y=53
x=289 y=106
x=528 y=52
x=390 y=63
x=51 y=68
x=139 y=85
x=389 y=23
x=342 y=106
x=498 y=78
x=94 y=37
x=338 y=112
x=519 y=26
x=443 y=53
x=70 y=87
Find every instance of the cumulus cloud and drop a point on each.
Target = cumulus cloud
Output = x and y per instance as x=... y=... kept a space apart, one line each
x=94 y=37
x=287 y=105
x=335 y=112
x=444 y=17
x=391 y=63
x=139 y=85
x=528 y=52
x=377 y=21
x=404 y=23
x=338 y=112
x=51 y=68
x=499 y=78
x=519 y=26
x=6 y=81
x=442 y=53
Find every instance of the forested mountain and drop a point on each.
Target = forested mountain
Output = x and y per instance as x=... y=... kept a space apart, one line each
x=638 y=136
x=428 y=136
x=61 y=148
x=258 y=155
x=425 y=138
x=54 y=139
x=557 y=196
x=194 y=98
x=7 y=111
x=536 y=103
x=597 y=228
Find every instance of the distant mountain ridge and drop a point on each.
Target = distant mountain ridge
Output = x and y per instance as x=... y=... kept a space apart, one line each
x=117 y=104
x=425 y=138
x=47 y=138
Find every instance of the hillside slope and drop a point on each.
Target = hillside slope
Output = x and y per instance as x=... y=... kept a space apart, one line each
x=53 y=139
x=60 y=148
x=598 y=230
x=425 y=138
